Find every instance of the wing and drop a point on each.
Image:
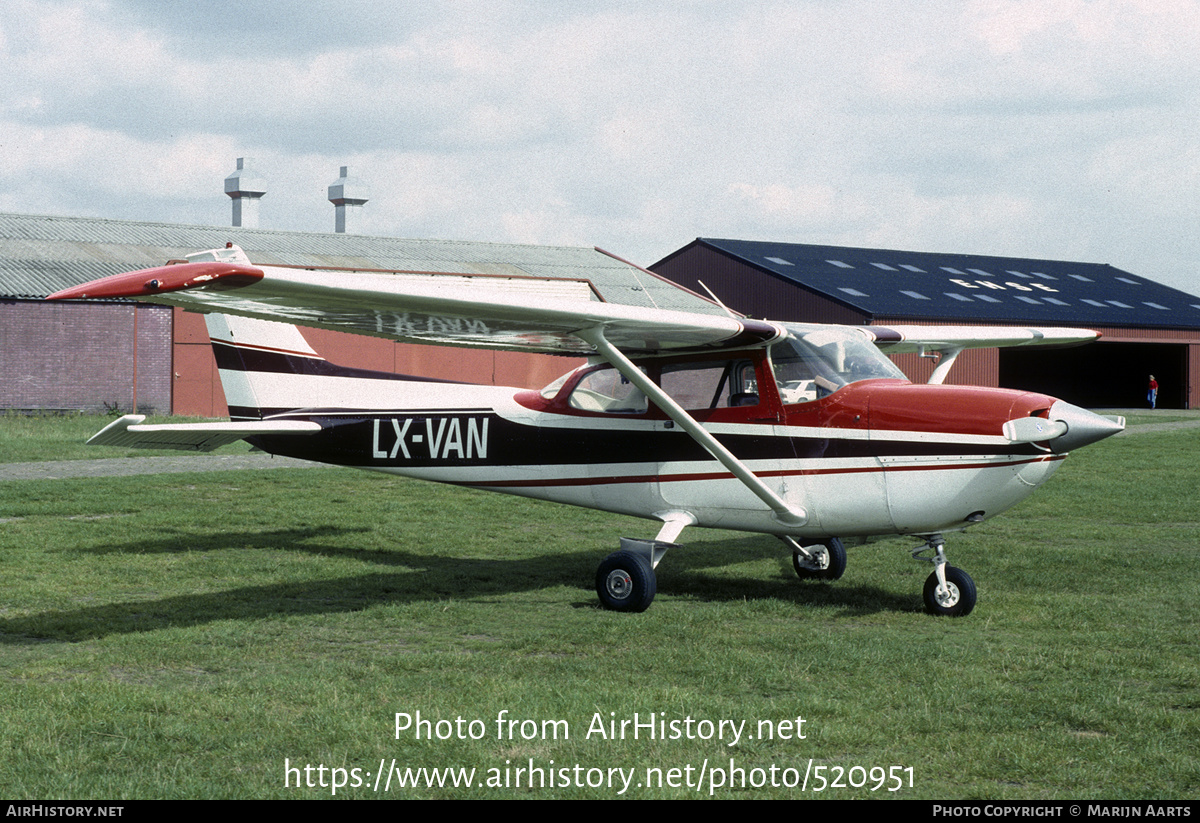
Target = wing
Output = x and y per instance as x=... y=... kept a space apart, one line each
x=950 y=341
x=496 y=312
x=902 y=339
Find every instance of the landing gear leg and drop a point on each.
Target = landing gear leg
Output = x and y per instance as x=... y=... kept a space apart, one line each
x=949 y=592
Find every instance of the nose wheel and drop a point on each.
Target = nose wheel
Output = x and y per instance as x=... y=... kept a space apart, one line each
x=954 y=599
x=949 y=591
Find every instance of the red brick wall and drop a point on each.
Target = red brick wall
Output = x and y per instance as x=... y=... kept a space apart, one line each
x=81 y=356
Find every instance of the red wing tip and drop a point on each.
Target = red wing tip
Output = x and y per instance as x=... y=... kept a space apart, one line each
x=147 y=282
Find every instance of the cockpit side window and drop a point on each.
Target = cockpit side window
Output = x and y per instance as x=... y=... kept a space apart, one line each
x=694 y=385
x=717 y=384
x=607 y=391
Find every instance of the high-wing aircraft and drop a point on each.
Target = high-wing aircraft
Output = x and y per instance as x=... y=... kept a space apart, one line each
x=802 y=431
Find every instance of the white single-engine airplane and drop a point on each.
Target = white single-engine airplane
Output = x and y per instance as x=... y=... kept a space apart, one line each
x=806 y=432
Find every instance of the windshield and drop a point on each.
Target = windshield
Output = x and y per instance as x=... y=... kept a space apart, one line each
x=816 y=361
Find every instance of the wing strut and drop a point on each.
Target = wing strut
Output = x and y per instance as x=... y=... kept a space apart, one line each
x=944 y=364
x=788 y=515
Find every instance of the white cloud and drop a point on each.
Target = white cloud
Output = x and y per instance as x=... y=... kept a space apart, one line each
x=1046 y=128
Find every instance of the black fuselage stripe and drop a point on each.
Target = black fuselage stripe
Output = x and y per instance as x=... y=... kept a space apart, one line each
x=465 y=438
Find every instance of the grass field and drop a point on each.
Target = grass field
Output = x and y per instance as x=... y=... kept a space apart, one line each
x=196 y=636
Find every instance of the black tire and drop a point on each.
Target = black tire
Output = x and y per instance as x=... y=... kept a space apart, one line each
x=829 y=565
x=961 y=598
x=625 y=582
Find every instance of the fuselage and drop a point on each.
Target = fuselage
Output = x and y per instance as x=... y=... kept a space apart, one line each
x=872 y=457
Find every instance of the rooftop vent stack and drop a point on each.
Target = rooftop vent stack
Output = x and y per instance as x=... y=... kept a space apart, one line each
x=246 y=188
x=347 y=195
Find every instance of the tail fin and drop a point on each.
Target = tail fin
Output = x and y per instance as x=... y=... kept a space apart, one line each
x=263 y=366
x=269 y=369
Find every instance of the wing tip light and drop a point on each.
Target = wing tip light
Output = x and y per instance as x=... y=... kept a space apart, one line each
x=149 y=282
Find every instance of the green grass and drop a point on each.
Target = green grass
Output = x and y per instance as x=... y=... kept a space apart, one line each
x=1141 y=417
x=181 y=636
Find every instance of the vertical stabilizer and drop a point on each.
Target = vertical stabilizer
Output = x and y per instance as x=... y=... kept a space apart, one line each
x=261 y=364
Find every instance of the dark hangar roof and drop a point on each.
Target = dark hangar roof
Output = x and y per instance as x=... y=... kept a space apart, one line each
x=970 y=287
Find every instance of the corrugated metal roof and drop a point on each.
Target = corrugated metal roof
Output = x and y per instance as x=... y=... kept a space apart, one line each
x=40 y=255
x=965 y=287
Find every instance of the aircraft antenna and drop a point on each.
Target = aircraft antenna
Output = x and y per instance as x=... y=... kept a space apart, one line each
x=716 y=299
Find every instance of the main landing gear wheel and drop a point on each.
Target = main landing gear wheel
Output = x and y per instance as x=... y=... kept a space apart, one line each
x=827 y=561
x=625 y=582
x=956 y=600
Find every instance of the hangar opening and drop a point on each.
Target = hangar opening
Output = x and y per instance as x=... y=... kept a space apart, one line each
x=1103 y=375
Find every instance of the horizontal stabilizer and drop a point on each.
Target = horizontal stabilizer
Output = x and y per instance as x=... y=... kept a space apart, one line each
x=128 y=432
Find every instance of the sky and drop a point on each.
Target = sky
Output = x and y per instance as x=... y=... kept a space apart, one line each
x=1055 y=129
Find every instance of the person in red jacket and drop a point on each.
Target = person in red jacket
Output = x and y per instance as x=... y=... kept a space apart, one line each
x=1152 y=394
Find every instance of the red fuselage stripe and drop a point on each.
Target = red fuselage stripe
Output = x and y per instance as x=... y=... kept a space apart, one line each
x=685 y=478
